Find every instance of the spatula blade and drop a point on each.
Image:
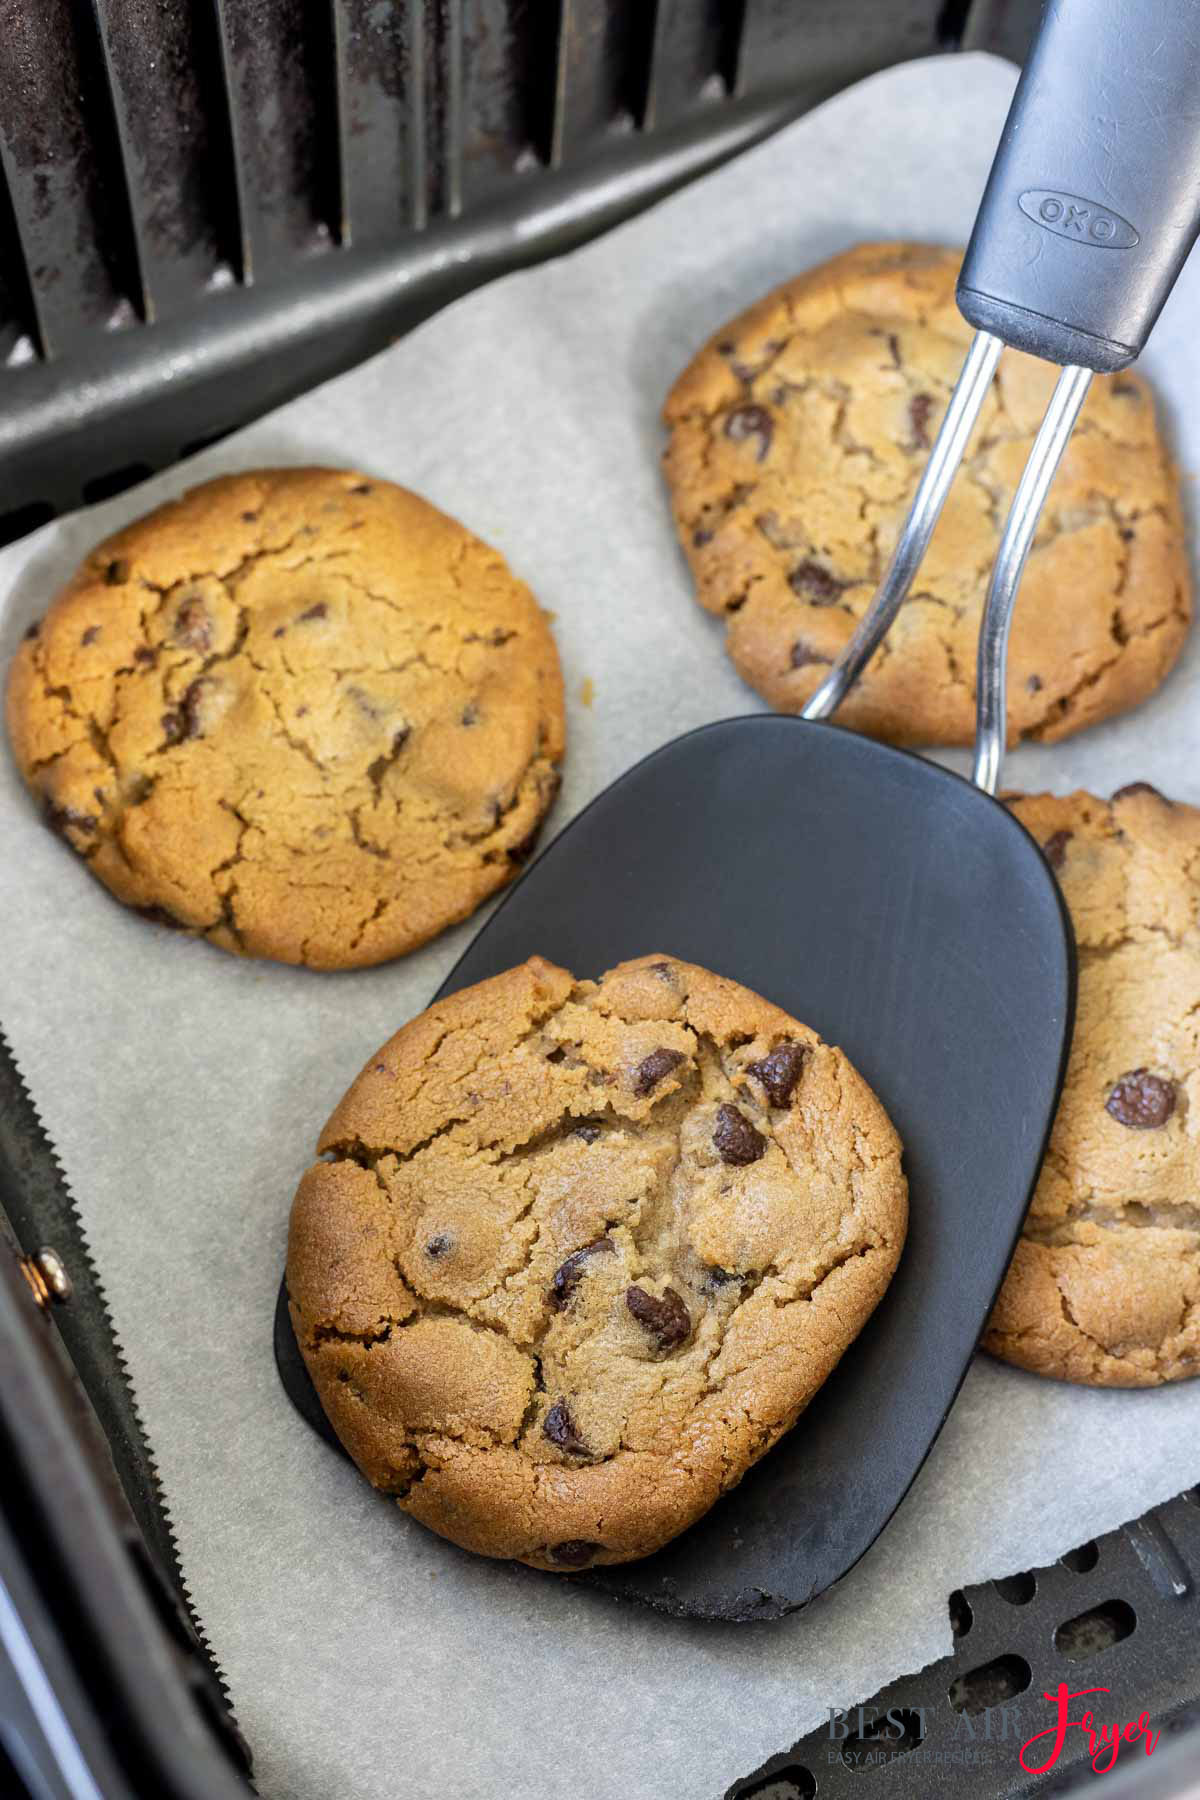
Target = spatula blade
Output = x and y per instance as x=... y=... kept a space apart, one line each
x=910 y=920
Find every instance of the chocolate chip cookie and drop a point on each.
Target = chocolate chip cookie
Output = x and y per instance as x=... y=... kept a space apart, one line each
x=298 y=711
x=797 y=437
x=1105 y=1284
x=582 y=1252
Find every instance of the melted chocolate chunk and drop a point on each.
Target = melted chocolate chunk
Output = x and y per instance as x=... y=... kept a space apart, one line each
x=748 y=424
x=919 y=409
x=569 y=1274
x=780 y=1071
x=68 y=818
x=559 y=1427
x=664 y=1317
x=1055 y=847
x=735 y=1138
x=145 y=655
x=574 y=1553
x=815 y=584
x=654 y=1068
x=440 y=1245
x=193 y=626
x=1141 y=1101
x=192 y=701
x=158 y=915
x=803 y=655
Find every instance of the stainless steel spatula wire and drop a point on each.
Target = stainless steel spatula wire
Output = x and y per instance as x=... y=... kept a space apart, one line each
x=1104 y=117
x=936 y=481
x=847 y=879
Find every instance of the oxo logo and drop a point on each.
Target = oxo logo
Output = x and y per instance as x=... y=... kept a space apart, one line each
x=1070 y=216
x=1076 y=218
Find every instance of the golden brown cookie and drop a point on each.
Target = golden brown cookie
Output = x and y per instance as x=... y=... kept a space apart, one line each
x=299 y=711
x=797 y=439
x=1105 y=1284
x=584 y=1252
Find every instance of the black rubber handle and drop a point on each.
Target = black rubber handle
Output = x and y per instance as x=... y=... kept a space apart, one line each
x=1093 y=202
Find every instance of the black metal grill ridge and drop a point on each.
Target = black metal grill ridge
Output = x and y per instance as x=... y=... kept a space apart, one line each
x=173 y=172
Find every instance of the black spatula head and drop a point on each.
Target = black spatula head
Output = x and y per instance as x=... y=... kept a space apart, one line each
x=909 y=919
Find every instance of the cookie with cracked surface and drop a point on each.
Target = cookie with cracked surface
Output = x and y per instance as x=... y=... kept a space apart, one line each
x=797 y=437
x=1105 y=1285
x=299 y=711
x=584 y=1251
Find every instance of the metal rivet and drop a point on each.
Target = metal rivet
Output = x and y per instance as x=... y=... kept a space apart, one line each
x=47 y=1276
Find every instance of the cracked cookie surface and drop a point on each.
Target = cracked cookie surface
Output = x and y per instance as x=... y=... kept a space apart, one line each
x=797 y=437
x=584 y=1251
x=298 y=711
x=1105 y=1284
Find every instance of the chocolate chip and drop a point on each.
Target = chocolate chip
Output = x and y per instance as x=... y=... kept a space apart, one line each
x=521 y=852
x=193 y=626
x=144 y=655
x=748 y=423
x=363 y=487
x=319 y=611
x=117 y=573
x=589 y=1133
x=1141 y=1100
x=718 y=1277
x=248 y=518
x=654 y=1068
x=68 y=818
x=780 y=1071
x=574 y=1553
x=700 y=537
x=569 y=1274
x=186 y=721
x=735 y=1138
x=666 y=1319
x=470 y=714
x=90 y=635
x=192 y=700
x=31 y=631
x=1140 y=787
x=803 y=655
x=1124 y=388
x=919 y=409
x=559 y=1427
x=1034 y=684
x=158 y=915
x=439 y=1246
x=815 y=584
x=1055 y=848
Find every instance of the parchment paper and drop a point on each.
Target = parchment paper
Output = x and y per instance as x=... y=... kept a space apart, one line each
x=184 y=1088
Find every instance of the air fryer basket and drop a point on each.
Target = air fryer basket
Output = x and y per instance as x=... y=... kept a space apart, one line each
x=207 y=206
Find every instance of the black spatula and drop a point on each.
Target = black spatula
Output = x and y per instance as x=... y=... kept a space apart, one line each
x=893 y=906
